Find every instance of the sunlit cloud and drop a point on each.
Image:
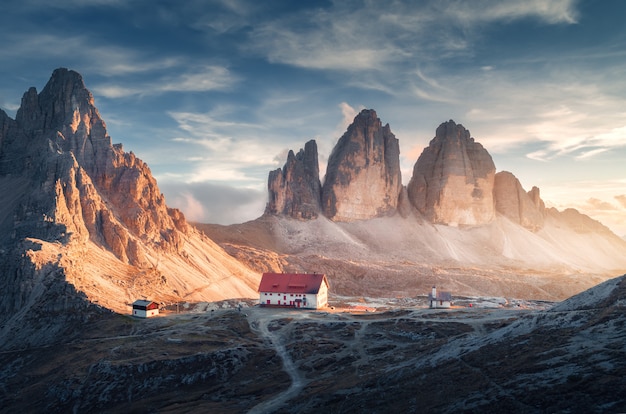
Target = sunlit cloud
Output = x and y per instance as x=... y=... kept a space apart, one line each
x=189 y=204
x=590 y=153
x=597 y=204
x=348 y=114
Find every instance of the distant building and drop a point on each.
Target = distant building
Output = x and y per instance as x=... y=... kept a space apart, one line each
x=298 y=290
x=439 y=299
x=145 y=308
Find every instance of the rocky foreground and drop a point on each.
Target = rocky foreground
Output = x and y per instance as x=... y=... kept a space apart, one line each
x=399 y=358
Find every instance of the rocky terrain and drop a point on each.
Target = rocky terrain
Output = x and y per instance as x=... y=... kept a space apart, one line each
x=364 y=355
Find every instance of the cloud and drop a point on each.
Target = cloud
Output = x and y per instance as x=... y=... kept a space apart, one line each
x=224 y=150
x=353 y=36
x=552 y=12
x=105 y=59
x=590 y=153
x=349 y=113
x=207 y=78
x=214 y=203
x=597 y=204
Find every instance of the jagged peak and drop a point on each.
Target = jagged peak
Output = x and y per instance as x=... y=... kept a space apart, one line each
x=367 y=113
x=451 y=130
x=366 y=116
x=67 y=82
x=63 y=95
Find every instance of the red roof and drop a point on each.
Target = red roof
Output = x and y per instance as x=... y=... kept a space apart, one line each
x=292 y=282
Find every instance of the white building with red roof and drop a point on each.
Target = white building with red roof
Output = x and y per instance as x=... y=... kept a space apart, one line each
x=297 y=290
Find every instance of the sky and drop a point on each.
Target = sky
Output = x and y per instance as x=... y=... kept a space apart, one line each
x=213 y=94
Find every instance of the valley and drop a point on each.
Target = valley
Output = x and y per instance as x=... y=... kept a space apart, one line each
x=362 y=354
x=85 y=231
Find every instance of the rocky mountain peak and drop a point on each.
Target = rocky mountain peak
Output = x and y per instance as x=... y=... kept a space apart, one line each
x=453 y=178
x=363 y=178
x=82 y=221
x=295 y=190
x=64 y=96
x=525 y=209
x=89 y=187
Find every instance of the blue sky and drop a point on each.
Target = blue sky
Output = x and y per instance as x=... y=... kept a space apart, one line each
x=212 y=94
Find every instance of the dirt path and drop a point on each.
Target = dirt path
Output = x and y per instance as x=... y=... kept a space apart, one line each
x=259 y=320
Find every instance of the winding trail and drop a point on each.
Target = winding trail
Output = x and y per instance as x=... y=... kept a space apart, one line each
x=258 y=320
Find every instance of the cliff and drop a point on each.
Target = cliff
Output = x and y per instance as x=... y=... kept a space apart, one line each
x=452 y=181
x=295 y=190
x=363 y=178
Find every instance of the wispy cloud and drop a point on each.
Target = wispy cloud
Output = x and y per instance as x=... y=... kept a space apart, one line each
x=552 y=12
x=353 y=36
x=223 y=150
x=203 y=79
x=86 y=54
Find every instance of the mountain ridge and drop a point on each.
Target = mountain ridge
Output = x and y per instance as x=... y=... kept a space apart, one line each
x=458 y=222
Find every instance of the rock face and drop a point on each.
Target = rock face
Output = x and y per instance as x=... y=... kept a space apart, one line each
x=453 y=179
x=295 y=190
x=525 y=209
x=70 y=155
x=363 y=178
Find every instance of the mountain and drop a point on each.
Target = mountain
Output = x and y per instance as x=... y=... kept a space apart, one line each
x=457 y=223
x=363 y=177
x=295 y=191
x=452 y=181
x=83 y=224
x=524 y=208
